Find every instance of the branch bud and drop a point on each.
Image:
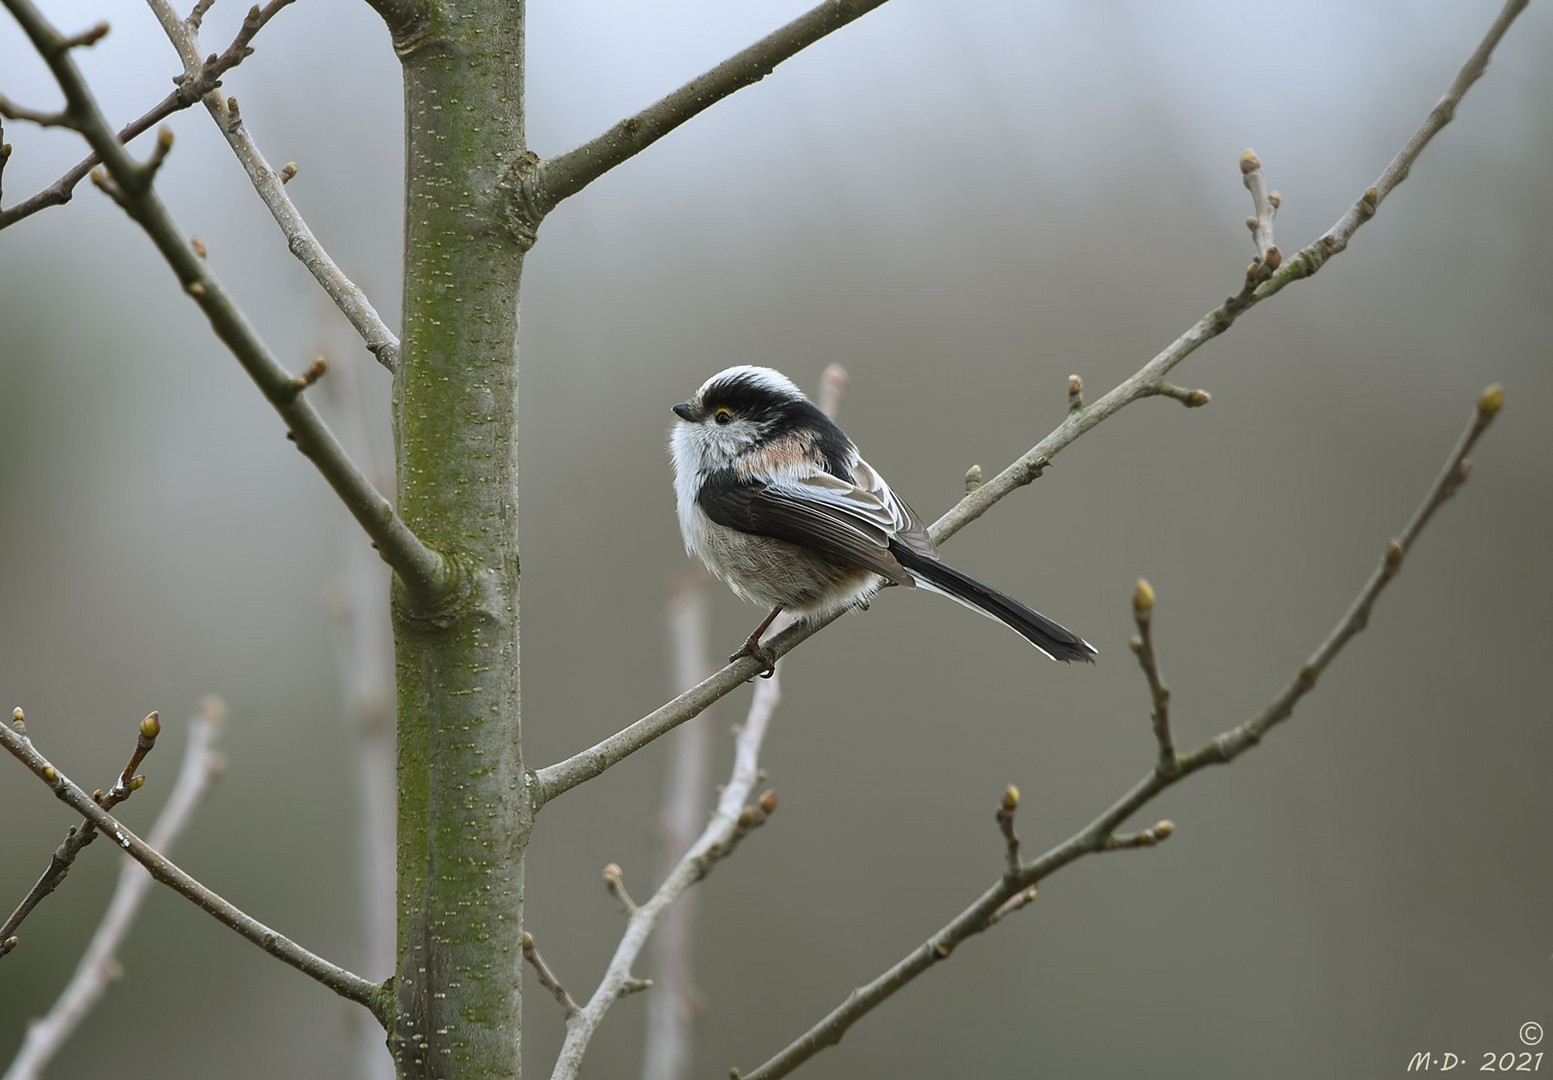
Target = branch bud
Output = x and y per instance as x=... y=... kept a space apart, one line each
x=612 y=875
x=768 y=801
x=50 y=774
x=151 y=726
x=288 y=171
x=972 y=478
x=1143 y=598
x=86 y=38
x=315 y=371
x=1492 y=400
x=1010 y=799
x=1249 y=162
x=199 y=247
x=137 y=782
x=1394 y=554
x=1164 y=828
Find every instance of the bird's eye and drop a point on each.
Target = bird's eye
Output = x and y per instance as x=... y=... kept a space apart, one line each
x=722 y=416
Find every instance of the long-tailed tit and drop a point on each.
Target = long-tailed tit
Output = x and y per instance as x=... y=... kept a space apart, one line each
x=775 y=500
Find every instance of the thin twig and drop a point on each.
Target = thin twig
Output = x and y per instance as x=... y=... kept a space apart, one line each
x=547 y=977
x=1154 y=834
x=732 y=820
x=1264 y=207
x=82 y=834
x=98 y=968
x=5 y=156
x=1009 y=891
x=1159 y=693
x=541 y=188
x=554 y=780
x=1005 y=819
x=615 y=885
x=190 y=89
x=271 y=186
x=422 y=570
x=342 y=982
x=1192 y=399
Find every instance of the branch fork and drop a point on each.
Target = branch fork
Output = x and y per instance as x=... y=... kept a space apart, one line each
x=82 y=834
x=342 y=982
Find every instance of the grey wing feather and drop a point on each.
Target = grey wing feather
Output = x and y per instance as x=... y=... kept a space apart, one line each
x=815 y=510
x=906 y=527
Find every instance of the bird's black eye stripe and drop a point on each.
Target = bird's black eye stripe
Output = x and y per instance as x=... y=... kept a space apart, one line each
x=722 y=416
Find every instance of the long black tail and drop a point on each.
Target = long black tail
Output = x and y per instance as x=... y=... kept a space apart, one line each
x=1056 y=641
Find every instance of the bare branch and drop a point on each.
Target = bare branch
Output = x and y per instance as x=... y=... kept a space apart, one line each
x=1013 y=891
x=541 y=188
x=12 y=111
x=1192 y=399
x=342 y=982
x=547 y=977
x=731 y=822
x=1336 y=239
x=197 y=15
x=1264 y=206
x=190 y=89
x=561 y=777
x=1005 y=819
x=98 y=968
x=271 y=185
x=79 y=835
x=5 y=156
x=615 y=885
x=1159 y=693
x=1154 y=834
x=421 y=569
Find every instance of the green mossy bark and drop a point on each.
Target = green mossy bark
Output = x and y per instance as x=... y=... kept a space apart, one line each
x=465 y=813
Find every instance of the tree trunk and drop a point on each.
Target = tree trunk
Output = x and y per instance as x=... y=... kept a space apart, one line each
x=465 y=812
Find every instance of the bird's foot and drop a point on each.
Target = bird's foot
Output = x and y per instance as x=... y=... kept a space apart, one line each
x=752 y=649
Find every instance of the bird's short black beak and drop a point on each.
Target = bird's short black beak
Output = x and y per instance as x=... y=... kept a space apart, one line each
x=683 y=411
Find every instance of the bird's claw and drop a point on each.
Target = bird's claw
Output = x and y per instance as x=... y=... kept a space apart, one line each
x=752 y=649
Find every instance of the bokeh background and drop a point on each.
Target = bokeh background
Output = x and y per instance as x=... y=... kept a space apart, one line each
x=963 y=204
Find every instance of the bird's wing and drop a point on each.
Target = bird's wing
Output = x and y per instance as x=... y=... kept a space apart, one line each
x=814 y=510
x=905 y=526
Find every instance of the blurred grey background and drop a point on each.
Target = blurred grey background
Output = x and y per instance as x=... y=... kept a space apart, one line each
x=963 y=204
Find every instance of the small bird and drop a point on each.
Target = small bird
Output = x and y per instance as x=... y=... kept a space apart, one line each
x=777 y=502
